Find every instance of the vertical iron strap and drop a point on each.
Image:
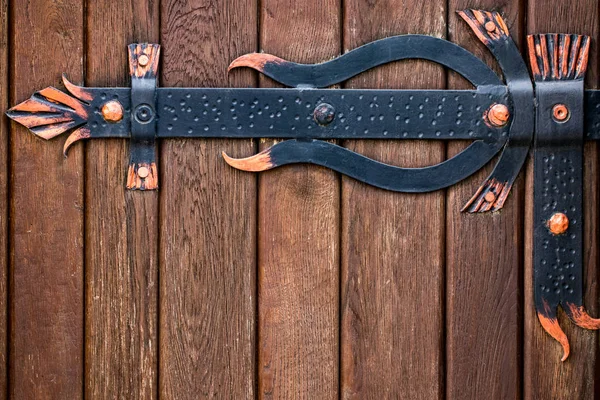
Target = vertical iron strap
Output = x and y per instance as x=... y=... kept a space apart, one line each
x=143 y=65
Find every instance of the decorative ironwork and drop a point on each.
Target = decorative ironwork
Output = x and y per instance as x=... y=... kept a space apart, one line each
x=553 y=115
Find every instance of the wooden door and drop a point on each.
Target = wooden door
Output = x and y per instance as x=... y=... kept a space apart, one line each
x=295 y=283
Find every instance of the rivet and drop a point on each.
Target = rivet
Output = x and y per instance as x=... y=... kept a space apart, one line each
x=143 y=60
x=560 y=112
x=490 y=26
x=324 y=114
x=112 y=111
x=558 y=223
x=143 y=172
x=490 y=197
x=497 y=115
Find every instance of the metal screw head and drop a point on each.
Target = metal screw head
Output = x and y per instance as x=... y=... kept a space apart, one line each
x=143 y=60
x=497 y=115
x=324 y=113
x=143 y=172
x=112 y=111
x=490 y=26
x=490 y=197
x=558 y=223
x=144 y=113
x=560 y=112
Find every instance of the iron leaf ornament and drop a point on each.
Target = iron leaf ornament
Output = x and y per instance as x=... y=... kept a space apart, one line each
x=551 y=114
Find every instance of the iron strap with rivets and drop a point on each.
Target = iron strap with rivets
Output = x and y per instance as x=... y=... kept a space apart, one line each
x=550 y=114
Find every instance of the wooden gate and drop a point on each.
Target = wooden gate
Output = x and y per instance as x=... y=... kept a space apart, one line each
x=297 y=283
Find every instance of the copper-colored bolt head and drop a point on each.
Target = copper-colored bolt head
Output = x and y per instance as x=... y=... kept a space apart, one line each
x=490 y=197
x=558 y=223
x=143 y=60
x=497 y=115
x=560 y=112
x=112 y=111
x=143 y=172
x=490 y=26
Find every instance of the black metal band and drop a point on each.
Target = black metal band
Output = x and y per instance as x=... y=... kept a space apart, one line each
x=143 y=173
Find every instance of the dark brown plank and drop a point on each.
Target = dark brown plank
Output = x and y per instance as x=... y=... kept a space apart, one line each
x=545 y=375
x=483 y=256
x=207 y=249
x=46 y=232
x=121 y=226
x=298 y=239
x=3 y=198
x=393 y=244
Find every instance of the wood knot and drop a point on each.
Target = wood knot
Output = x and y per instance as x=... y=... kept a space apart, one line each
x=112 y=111
x=497 y=115
x=558 y=223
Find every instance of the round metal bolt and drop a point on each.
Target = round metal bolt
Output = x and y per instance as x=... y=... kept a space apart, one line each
x=560 y=112
x=490 y=197
x=558 y=223
x=144 y=113
x=143 y=172
x=497 y=115
x=324 y=113
x=143 y=60
x=490 y=26
x=112 y=111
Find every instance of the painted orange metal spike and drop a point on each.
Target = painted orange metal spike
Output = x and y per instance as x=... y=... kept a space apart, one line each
x=256 y=163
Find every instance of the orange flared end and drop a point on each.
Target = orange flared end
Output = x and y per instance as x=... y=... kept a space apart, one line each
x=79 y=134
x=581 y=318
x=255 y=61
x=256 y=163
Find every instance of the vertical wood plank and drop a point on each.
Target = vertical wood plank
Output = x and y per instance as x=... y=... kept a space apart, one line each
x=392 y=244
x=545 y=375
x=483 y=256
x=46 y=232
x=4 y=77
x=298 y=230
x=121 y=226
x=207 y=249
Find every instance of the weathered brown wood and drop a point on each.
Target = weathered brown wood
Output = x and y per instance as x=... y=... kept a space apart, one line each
x=4 y=213
x=484 y=260
x=46 y=230
x=121 y=226
x=393 y=244
x=207 y=247
x=545 y=376
x=298 y=231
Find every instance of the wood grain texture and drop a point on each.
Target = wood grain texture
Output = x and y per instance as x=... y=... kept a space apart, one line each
x=4 y=213
x=46 y=229
x=207 y=239
x=121 y=226
x=298 y=233
x=545 y=376
x=393 y=243
x=484 y=260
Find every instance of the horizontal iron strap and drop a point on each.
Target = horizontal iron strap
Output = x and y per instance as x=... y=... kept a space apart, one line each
x=358 y=114
x=289 y=113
